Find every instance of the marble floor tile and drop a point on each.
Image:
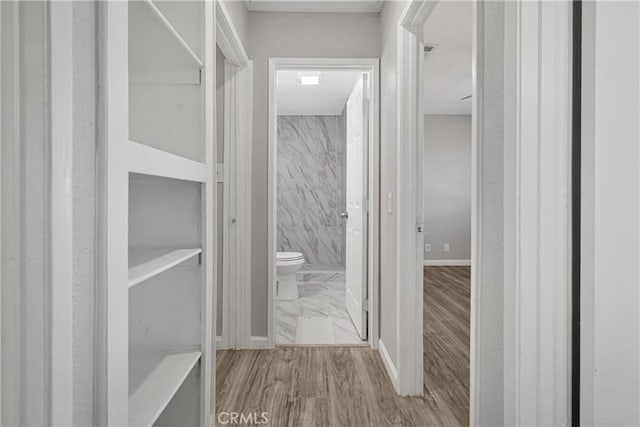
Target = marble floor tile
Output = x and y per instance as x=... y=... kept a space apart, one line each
x=321 y=296
x=344 y=332
x=315 y=330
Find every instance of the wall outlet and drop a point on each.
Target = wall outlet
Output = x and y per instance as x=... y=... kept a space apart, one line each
x=447 y=248
x=427 y=247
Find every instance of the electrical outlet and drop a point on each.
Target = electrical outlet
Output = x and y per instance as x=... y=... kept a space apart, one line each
x=447 y=248
x=427 y=247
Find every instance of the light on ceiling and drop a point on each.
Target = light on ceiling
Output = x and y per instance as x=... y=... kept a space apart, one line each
x=310 y=80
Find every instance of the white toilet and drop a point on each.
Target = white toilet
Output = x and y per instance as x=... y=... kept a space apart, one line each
x=287 y=264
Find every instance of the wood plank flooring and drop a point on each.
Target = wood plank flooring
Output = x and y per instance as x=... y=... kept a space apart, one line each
x=348 y=386
x=446 y=338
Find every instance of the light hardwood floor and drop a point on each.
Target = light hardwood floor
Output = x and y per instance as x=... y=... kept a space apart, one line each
x=348 y=386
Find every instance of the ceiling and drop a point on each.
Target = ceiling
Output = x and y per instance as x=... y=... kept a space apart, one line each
x=328 y=98
x=335 y=6
x=447 y=69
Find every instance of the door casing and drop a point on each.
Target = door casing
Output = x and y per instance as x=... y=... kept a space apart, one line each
x=236 y=267
x=366 y=65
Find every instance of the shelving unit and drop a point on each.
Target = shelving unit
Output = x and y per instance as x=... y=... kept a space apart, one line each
x=155 y=377
x=147 y=263
x=150 y=161
x=160 y=221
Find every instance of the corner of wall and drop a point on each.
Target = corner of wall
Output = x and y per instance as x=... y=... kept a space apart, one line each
x=392 y=371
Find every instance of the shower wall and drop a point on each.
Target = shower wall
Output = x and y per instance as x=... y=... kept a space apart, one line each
x=311 y=188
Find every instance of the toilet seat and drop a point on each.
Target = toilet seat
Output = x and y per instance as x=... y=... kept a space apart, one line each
x=289 y=256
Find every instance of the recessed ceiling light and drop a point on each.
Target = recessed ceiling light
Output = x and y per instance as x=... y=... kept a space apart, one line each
x=310 y=80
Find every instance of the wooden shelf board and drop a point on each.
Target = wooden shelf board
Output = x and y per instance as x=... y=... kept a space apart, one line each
x=144 y=266
x=155 y=375
x=147 y=160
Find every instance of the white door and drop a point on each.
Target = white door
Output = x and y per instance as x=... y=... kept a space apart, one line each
x=356 y=213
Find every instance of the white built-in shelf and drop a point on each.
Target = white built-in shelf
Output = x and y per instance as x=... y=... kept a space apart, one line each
x=146 y=263
x=145 y=10
x=155 y=375
x=147 y=160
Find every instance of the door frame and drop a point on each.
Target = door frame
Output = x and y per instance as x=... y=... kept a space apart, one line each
x=238 y=113
x=523 y=370
x=371 y=66
x=38 y=272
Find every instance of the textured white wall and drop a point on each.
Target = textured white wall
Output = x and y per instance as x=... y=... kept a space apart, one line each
x=84 y=207
x=447 y=186
x=303 y=35
x=610 y=282
x=488 y=353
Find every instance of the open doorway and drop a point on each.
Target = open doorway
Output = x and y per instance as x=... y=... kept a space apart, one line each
x=447 y=107
x=323 y=147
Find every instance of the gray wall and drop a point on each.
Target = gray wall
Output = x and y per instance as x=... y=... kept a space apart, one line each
x=311 y=183
x=304 y=35
x=220 y=186
x=489 y=341
x=85 y=79
x=447 y=186
x=388 y=171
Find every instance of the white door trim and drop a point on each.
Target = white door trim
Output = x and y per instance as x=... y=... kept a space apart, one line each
x=537 y=373
x=409 y=277
x=37 y=221
x=112 y=341
x=370 y=65
x=61 y=205
x=238 y=84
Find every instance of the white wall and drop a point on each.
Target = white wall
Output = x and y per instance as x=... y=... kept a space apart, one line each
x=447 y=186
x=610 y=282
x=388 y=174
x=487 y=355
x=304 y=35
x=84 y=207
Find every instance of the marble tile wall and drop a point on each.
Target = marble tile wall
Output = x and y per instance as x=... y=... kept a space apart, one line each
x=311 y=188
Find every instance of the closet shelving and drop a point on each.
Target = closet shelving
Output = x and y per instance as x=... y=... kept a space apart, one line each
x=145 y=264
x=155 y=376
x=161 y=174
x=150 y=161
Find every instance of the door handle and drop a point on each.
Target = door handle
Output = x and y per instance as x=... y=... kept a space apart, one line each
x=344 y=215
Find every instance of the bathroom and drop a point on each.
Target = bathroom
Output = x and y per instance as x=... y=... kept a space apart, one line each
x=311 y=207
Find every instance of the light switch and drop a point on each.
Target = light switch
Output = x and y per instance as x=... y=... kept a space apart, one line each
x=390 y=203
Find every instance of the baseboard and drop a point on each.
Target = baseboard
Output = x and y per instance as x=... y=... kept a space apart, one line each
x=258 y=343
x=447 y=262
x=221 y=343
x=388 y=364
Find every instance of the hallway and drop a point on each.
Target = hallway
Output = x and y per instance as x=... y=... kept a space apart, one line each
x=344 y=386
